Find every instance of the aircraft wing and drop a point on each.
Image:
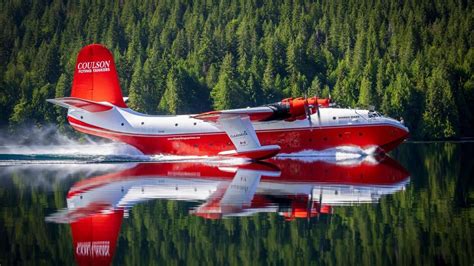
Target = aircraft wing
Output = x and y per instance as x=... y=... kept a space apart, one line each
x=238 y=127
x=76 y=103
x=288 y=109
x=261 y=113
x=235 y=197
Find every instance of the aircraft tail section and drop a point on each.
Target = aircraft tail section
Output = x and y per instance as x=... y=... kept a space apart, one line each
x=95 y=237
x=95 y=76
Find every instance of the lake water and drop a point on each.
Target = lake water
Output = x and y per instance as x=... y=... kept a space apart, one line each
x=99 y=205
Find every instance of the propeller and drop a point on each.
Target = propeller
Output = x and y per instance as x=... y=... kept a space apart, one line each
x=331 y=103
x=317 y=111
x=309 y=206
x=320 y=200
x=307 y=109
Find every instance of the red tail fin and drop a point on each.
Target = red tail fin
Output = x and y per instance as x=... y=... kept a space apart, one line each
x=95 y=76
x=95 y=238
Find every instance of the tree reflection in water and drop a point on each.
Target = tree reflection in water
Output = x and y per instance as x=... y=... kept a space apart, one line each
x=283 y=211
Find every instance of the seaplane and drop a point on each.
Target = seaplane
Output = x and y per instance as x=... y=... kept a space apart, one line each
x=97 y=204
x=228 y=189
x=97 y=107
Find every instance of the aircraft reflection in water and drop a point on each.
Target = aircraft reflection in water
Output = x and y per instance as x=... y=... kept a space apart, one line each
x=292 y=188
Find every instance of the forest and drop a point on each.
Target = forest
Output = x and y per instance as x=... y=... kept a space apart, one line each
x=410 y=59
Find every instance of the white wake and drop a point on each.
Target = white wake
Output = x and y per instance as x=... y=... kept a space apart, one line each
x=342 y=154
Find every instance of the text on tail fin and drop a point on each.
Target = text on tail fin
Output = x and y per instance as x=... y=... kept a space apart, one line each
x=95 y=76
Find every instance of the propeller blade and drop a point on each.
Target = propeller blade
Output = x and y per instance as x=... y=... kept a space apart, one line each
x=320 y=200
x=310 y=204
x=307 y=110
x=317 y=109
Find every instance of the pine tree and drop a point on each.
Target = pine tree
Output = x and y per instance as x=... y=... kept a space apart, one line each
x=315 y=88
x=179 y=46
x=21 y=112
x=270 y=92
x=172 y=101
x=137 y=97
x=440 y=118
x=365 y=94
x=227 y=93
x=60 y=91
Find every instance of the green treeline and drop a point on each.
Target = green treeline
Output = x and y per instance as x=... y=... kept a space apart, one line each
x=410 y=59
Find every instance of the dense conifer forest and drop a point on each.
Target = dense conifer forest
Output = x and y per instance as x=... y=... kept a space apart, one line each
x=410 y=59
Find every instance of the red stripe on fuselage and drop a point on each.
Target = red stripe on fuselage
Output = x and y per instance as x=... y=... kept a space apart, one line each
x=291 y=140
x=73 y=120
x=386 y=172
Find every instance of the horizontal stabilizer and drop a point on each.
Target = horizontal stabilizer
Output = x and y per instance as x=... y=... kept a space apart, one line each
x=76 y=103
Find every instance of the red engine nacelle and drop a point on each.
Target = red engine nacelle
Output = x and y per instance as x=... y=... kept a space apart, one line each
x=298 y=106
x=303 y=207
x=324 y=102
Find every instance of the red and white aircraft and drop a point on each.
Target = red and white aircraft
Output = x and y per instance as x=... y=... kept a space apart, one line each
x=97 y=205
x=237 y=190
x=96 y=107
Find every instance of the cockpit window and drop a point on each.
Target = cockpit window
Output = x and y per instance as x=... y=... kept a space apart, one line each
x=374 y=114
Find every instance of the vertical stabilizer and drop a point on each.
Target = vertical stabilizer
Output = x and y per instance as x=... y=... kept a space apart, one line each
x=95 y=238
x=95 y=76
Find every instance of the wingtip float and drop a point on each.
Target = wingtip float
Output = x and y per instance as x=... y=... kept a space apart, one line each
x=97 y=107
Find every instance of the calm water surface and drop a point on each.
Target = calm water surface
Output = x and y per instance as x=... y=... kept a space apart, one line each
x=414 y=207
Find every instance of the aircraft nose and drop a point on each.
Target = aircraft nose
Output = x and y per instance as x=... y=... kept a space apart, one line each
x=397 y=135
x=401 y=133
x=405 y=131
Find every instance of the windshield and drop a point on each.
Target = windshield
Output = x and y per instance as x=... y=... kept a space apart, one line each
x=374 y=114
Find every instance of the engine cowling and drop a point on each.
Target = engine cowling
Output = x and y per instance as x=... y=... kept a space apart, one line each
x=324 y=102
x=291 y=109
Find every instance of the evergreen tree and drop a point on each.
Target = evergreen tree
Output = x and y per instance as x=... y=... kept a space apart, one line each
x=268 y=83
x=171 y=101
x=60 y=91
x=315 y=88
x=137 y=97
x=440 y=117
x=227 y=93
x=21 y=112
